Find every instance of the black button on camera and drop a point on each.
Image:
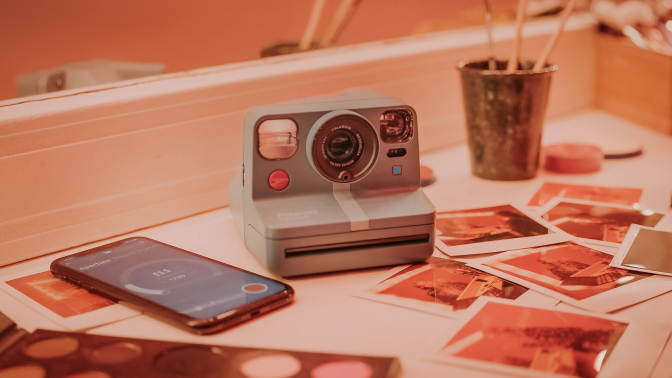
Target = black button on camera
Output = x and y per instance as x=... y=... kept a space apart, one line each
x=396 y=152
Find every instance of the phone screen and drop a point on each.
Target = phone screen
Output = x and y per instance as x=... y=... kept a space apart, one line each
x=184 y=282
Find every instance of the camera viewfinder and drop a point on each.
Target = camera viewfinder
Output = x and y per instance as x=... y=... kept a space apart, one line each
x=277 y=139
x=396 y=126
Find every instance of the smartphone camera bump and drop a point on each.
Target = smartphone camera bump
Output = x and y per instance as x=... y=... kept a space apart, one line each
x=344 y=148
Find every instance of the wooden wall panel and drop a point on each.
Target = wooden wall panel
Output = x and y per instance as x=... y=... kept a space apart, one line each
x=81 y=166
x=634 y=83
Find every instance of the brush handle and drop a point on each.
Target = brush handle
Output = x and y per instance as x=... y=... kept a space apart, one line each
x=492 y=64
x=515 y=53
x=307 y=38
x=550 y=45
x=341 y=17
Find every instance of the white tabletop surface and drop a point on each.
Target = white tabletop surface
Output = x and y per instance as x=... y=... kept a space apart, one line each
x=326 y=317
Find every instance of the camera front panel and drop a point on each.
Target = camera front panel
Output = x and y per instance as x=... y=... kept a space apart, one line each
x=370 y=148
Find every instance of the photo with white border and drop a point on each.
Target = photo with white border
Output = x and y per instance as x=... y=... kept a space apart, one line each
x=598 y=222
x=645 y=249
x=576 y=273
x=443 y=286
x=492 y=229
x=63 y=302
x=504 y=337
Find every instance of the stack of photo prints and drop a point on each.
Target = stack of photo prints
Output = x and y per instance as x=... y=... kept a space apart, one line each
x=501 y=274
x=503 y=271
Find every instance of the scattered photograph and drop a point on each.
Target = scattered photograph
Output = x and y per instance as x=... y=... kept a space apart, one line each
x=600 y=223
x=492 y=229
x=577 y=274
x=550 y=190
x=645 y=249
x=64 y=303
x=441 y=286
x=63 y=298
x=533 y=341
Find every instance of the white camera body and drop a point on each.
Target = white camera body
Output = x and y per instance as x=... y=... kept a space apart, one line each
x=332 y=184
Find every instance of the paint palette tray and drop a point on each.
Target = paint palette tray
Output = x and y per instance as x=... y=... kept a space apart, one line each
x=46 y=354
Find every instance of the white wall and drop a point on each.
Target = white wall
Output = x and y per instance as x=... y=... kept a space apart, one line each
x=84 y=165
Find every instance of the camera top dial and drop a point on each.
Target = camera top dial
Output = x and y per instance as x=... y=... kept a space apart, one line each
x=343 y=146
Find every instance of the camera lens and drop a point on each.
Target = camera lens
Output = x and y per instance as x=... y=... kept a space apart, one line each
x=341 y=146
x=396 y=126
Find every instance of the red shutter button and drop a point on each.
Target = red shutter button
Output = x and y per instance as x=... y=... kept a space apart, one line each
x=278 y=180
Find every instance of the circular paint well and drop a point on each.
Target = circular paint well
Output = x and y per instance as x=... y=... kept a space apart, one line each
x=117 y=353
x=337 y=369
x=23 y=371
x=90 y=374
x=192 y=362
x=271 y=366
x=51 y=348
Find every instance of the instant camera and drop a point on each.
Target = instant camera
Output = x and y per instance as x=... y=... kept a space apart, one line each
x=332 y=184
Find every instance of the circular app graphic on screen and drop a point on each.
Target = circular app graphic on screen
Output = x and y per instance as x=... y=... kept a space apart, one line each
x=160 y=276
x=254 y=288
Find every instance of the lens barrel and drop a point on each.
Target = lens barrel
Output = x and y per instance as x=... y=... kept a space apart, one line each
x=344 y=147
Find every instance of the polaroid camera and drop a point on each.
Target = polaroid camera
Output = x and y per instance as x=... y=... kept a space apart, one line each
x=332 y=184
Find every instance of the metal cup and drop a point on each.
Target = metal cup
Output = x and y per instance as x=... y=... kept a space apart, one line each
x=505 y=118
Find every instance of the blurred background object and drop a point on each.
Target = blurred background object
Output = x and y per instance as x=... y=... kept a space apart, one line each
x=183 y=36
x=82 y=74
x=645 y=23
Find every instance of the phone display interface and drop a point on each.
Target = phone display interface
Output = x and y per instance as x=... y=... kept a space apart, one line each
x=181 y=281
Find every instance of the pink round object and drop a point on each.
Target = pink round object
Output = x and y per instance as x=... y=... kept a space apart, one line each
x=573 y=158
x=339 y=369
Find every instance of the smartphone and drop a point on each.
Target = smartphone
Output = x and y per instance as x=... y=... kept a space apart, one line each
x=202 y=294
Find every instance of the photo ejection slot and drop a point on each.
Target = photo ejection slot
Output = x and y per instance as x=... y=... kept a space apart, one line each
x=395 y=241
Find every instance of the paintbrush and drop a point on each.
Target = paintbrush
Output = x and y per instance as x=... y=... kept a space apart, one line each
x=515 y=53
x=342 y=16
x=492 y=64
x=307 y=39
x=550 y=45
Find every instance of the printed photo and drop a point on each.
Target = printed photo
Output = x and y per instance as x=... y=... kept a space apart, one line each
x=603 y=223
x=541 y=340
x=571 y=269
x=577 y=274
x=440 y=286
x=474 y=231
x=63 y=298
x=622 y=196
x=62 y=302
x=645 y=249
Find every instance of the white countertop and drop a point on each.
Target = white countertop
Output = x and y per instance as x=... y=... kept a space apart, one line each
x=327 y=318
